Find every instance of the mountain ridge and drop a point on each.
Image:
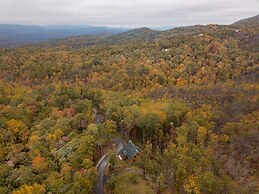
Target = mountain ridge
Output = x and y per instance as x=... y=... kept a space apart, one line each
x=251 y=21
x=18 y=35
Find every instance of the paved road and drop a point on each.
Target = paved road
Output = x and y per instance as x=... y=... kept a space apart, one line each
x=102 y=165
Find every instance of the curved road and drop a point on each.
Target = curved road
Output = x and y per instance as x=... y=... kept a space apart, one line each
x=102 y=165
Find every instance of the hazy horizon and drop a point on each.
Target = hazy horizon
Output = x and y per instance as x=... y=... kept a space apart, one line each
x=128 y=14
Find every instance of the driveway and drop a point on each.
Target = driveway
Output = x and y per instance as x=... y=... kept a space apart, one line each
x=102 y=165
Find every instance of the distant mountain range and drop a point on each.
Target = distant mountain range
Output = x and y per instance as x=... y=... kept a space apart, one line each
x=85 y=35
x=17 y=35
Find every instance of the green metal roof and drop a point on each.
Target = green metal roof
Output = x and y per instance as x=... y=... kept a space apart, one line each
x=130 y=150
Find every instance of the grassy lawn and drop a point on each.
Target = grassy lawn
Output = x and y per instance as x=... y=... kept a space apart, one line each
x=130 y=183
x=127 y=182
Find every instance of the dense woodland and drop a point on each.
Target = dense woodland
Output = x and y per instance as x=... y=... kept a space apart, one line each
x=189 y=97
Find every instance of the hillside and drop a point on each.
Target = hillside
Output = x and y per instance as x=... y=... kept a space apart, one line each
x=252 y=21
x=245 y=37
x=141 y=34
x=187 y=97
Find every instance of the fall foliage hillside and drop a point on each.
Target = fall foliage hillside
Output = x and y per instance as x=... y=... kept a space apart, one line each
x=189 y=97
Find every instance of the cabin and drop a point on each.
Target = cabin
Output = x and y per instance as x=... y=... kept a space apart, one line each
x=130 y=151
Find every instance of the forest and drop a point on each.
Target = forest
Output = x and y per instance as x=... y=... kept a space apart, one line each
x=188 y=97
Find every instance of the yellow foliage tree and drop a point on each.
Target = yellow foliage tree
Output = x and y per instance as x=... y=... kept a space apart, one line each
x=191 y=185
x=202 y=132
x=30 y=189
x=19 y=129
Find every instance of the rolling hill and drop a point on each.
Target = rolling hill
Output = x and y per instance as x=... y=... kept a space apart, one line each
x=251 y=21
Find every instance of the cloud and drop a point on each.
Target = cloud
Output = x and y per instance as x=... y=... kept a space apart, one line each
x=133 y=13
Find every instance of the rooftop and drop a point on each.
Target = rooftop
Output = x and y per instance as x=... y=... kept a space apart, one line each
x=130 y=150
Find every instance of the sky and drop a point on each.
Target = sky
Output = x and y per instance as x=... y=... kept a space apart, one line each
x=126 y=13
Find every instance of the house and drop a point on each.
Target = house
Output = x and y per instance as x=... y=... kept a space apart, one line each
x=130 y=151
